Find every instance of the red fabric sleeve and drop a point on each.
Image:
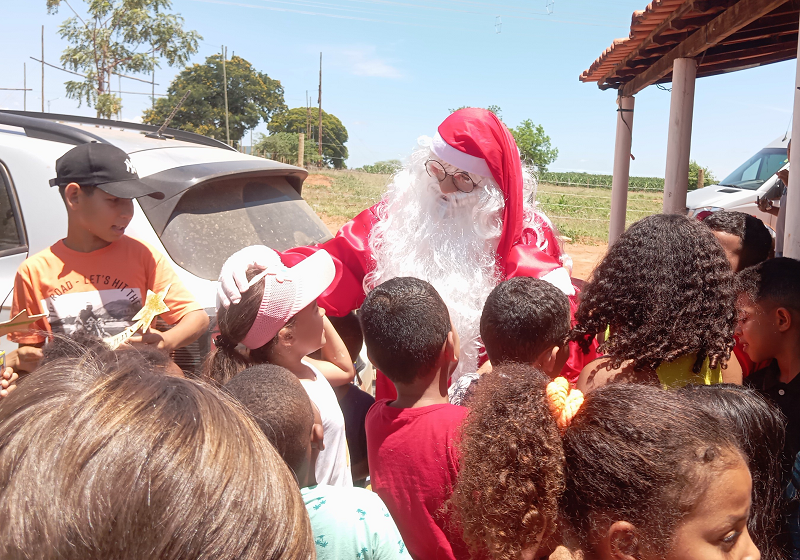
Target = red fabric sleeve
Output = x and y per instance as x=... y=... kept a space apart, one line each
x=353 y=260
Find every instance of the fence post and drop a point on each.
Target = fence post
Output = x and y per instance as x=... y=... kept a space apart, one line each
x=301 y=148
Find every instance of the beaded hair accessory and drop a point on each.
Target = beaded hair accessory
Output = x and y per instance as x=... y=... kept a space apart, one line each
x=564 y=402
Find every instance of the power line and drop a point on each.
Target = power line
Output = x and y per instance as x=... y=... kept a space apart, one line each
x=83 y=75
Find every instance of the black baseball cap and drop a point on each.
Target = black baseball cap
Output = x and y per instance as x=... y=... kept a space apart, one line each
x=103 y=166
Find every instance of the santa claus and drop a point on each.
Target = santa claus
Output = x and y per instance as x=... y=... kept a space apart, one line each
x=460 y=215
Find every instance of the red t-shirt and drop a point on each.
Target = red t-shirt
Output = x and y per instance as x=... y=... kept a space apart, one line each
x=413 y=465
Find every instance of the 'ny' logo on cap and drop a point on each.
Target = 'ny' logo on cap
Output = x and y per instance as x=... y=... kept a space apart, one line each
x=129 y=166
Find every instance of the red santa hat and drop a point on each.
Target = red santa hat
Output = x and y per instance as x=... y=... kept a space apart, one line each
x=476 y=141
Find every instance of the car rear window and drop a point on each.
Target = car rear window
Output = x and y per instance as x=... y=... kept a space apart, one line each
x=214 y=220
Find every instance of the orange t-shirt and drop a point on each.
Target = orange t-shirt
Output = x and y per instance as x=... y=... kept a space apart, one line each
x=97 y=293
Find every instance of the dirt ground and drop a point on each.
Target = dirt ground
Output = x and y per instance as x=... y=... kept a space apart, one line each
x=584 y=257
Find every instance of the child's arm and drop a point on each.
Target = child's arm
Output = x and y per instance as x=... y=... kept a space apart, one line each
x=186 y=330
x=336 y=364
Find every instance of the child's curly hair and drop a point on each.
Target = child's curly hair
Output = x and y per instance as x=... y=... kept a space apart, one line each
x=512 y=464
x=666 y=290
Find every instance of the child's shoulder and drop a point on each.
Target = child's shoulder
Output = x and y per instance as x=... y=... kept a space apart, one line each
x=600 y=372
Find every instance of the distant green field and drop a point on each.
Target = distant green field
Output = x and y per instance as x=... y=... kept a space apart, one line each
x=580 y=213
x=583 y=214
x=569 y=179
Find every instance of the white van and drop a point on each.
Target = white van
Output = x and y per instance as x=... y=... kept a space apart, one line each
x=739 y=190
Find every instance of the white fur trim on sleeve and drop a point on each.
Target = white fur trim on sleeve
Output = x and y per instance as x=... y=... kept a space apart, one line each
x=561 y=280
x=449 y=154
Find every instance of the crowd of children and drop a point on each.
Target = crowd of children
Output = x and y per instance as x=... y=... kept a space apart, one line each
x=681 y=441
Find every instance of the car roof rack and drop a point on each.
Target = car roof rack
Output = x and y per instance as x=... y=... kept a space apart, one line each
x=48 y=130
x=43 y=126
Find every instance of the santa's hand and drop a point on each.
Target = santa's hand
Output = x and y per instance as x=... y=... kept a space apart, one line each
x=233 y=276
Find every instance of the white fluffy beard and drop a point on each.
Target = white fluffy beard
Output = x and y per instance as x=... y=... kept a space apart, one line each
x=447 y=240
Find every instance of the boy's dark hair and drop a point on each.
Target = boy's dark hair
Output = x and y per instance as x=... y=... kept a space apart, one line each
x=512 y=464
x=640 y=454
x=760 y=429
x=666 y=290
x=776 y=281
x=280 y=406
x=754 y=235
x=522 y=318
x=405 y=323
x=88 y=190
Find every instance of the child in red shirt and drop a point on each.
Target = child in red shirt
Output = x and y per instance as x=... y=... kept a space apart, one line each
x=411 y=441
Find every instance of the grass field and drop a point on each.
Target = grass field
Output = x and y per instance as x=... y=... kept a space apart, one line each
x=581 y=213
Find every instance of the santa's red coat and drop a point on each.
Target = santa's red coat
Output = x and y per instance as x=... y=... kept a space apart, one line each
x=352 y=257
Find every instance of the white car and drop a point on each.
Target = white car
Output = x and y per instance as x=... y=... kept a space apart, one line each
x=739 y=190
x=216 y=202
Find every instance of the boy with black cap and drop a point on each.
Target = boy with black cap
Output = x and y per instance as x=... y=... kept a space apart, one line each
x=96 y=266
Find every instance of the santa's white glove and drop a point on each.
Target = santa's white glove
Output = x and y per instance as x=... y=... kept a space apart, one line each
x=233 y=276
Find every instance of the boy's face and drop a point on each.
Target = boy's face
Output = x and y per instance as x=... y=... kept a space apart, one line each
x=757 y=329
x=101 y=214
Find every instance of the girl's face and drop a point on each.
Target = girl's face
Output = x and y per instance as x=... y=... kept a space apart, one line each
x=308 y=330
x=717 y=528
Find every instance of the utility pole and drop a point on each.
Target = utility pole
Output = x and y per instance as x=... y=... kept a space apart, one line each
x=25 y=86
x=308 y=116
x=225 y=79
x=153 y=83
x=43 y=69
x=319 y=138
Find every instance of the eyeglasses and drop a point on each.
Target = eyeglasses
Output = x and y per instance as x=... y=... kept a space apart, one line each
x=461 y=179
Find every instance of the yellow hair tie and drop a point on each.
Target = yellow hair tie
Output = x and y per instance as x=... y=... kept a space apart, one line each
x=564 y=402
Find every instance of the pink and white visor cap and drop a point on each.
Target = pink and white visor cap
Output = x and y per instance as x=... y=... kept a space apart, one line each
x=287 y=291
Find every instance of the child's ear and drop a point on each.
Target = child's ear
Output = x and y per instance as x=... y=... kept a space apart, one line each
x=783 y=319
x=547 y=360
x=71 y=192
x=621 y=542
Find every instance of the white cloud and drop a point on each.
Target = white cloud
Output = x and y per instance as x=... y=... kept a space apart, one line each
x=363 y=60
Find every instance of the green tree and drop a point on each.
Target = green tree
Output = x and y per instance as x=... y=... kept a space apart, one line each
x=534 y=145
x=283 y=146
x=119 y=37
x=334 y=134
x=387 y=167
x=708 y=175
x=252 y=97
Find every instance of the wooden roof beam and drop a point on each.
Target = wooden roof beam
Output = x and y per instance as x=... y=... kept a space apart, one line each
x=746 y=62
x=729 y=22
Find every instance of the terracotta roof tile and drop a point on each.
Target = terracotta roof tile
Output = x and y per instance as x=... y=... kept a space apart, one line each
x=642 y=24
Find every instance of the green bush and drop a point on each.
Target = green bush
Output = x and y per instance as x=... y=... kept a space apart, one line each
x=388 y=167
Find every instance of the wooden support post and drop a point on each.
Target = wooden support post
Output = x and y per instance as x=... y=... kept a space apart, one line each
x=791 y=237
x=622 y=168
x=701 y=178
x=301 y=149
x=679 y=140
x=43 y=69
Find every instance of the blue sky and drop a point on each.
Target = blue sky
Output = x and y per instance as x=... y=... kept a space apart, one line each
x=393 y=68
